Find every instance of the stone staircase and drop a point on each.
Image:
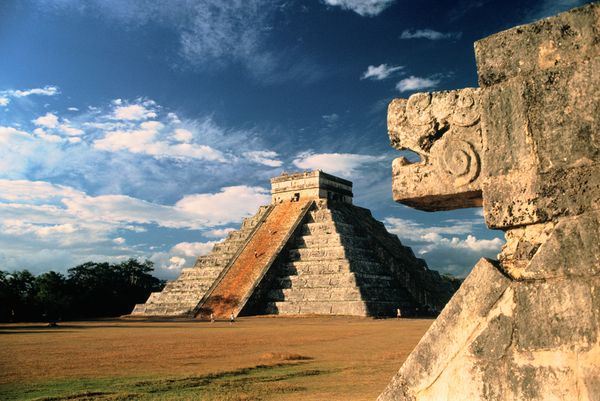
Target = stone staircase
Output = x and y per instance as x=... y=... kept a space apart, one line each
x=243 y=275
x=180 y=297
x=332 y=268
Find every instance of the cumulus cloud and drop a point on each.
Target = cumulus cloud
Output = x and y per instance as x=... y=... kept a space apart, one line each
x=6 y=95
x=450 y=247
x=413 y=83
x=380 y=72
x=429 y=34
x=218 y=232
x=364 y=8
x=133 y=112
x=195 y=211
x=264 y=157
x=193 y=249
x=8 y=133
x=119 y=240
x=183 y=135
x=48 y=120
x=334 y=163
x=144 y=140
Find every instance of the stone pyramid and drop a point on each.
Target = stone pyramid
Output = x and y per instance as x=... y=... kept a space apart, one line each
x=311 y=251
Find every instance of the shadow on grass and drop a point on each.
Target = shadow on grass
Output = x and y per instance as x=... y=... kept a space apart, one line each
x=260 y=382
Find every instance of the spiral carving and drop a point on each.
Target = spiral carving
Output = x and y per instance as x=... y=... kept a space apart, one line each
x=466 y=111
x=461 y=161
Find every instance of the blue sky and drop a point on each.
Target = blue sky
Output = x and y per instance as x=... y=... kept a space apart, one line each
x=149 y=129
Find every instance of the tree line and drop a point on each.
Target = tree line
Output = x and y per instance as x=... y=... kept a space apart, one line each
x=89 y=290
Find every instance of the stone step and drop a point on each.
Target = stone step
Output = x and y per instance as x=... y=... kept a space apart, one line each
x=323 y=214
x=335 y=294
x=330 y=253
x=309 y=241
x=334 y=280
x=349 y=308
x=334 y=266
x=330 y=227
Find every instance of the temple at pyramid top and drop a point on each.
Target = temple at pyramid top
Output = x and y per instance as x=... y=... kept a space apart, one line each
x=310 y=185
x=311 y=251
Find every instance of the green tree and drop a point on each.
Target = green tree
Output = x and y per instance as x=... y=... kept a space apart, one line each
x=52 y=296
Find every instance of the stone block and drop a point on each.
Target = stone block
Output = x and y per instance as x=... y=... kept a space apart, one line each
x=550 y=44
x=450 y=332
x=554 y=314
x=571 y=250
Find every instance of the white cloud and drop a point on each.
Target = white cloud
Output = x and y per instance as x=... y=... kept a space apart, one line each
x=264 y=157
x=67 y=204
x=67 y=129
x=334 y=163
x=380 y=72
x=119 y=240
x=4 y=101
x=429 y=34
x=445 y=247
x=227 y=206
x=47 y=137
x=413 y=83
x=218 y=232
x=193 y=249
x=73 y=109
x=176 y=263
x=8 y=133
x=45 y=91
x=363 y=8
x=143 y=140
x=173 y=118
x=183 y=135
x=49 y=120
x=133 y=112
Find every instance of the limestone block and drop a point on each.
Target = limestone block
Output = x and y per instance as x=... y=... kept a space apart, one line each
x=541 y=144
x=450 y=332
x=571 y=249
x=550 y=44
x=444 y=129
x=554 y=314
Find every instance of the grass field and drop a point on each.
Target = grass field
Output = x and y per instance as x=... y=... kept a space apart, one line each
x=256 y=358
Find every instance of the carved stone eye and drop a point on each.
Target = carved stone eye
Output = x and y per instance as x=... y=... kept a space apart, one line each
x=418 y=110
x=460 y=160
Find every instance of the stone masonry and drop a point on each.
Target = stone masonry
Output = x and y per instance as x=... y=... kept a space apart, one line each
x=310 y=252
x=526 y=146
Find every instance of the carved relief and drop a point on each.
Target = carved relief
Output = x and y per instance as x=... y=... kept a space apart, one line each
x=443 y=129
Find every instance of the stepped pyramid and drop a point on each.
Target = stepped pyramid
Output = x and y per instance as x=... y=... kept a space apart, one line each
x=311 y=251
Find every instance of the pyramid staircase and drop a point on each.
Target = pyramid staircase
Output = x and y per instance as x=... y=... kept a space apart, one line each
x=231 y=291
x=180 y=297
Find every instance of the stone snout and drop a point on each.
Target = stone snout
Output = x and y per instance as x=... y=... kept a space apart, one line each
x=444 y=129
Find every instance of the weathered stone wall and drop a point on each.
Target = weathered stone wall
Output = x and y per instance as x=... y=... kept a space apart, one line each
x=526 y=327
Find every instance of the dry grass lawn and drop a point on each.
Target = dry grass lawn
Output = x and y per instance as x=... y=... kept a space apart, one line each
x=257 y=358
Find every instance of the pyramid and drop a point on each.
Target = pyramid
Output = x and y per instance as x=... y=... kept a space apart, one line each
x=311 y=251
